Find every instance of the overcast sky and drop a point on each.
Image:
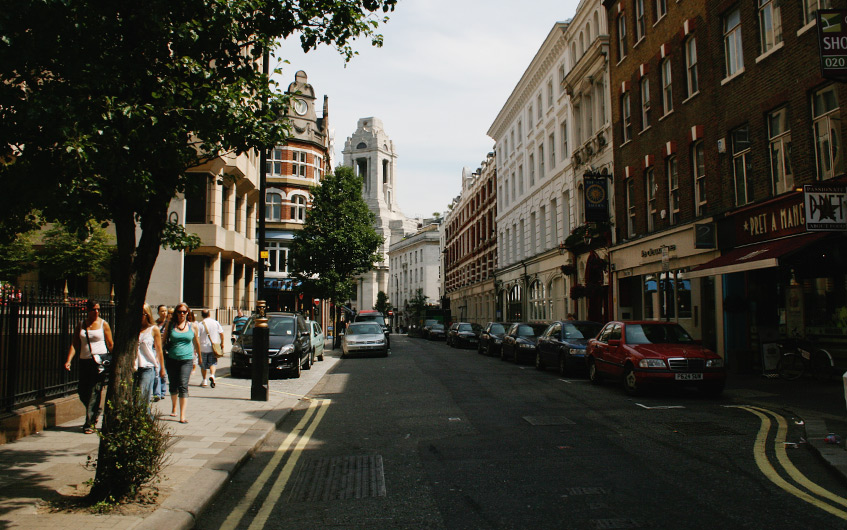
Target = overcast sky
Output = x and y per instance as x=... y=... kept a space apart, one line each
x=442 y=76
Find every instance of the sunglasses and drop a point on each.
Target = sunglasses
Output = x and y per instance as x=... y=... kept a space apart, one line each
x=181 y=312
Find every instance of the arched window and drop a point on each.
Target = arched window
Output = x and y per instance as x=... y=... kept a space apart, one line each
x=298 y=208
x=273 y=206
x=537 y=305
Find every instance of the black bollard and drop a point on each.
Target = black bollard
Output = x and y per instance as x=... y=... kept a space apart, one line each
x=259 y=390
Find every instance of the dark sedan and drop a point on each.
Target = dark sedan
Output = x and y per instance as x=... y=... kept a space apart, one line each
x=519 y=342
x=491 y=337
x=563 y=345
x=463 y=334
x=289 y=348
x=436 y=332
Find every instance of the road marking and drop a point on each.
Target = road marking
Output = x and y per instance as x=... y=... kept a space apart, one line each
x=274 y=494
x=247 y=500
x=660 y=407
x=765 y=466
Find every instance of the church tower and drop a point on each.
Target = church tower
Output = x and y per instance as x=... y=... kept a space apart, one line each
x=370 y=152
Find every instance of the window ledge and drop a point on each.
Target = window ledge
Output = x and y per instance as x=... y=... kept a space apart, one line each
x=665 y=115
x=622 y=60
x=733 y=76
x=770 y=52
x=627 y=142
x=807 y=27
x=639 y=41
x=661 y=18
x=689 y=98
x=645 y=129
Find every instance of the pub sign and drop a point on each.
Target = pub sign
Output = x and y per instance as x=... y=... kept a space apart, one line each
x=596 y=199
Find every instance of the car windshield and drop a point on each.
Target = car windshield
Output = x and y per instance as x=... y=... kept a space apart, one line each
x=496 y=328
x=657 y=334
x=465 y=327
x=371 y=318
x=429 y=323
x=281 y=326
x=531 y=330
x=364 y=328
x=437 y=327
x=583 y=330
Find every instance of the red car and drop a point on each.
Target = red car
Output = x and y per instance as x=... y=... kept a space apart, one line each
x=649 y=352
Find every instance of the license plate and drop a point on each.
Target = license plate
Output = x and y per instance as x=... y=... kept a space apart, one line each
x=689 y=377
x=249 y=360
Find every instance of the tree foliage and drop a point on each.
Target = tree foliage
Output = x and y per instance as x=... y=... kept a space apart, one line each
x=70 y=254
x=338 y=240
x=382 y=304
x=16 y=257
x=105 y=106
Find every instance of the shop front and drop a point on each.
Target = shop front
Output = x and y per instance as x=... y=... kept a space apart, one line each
x=652 y=282
x=776 y=280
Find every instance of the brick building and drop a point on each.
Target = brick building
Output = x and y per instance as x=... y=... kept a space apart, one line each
x=720 y=113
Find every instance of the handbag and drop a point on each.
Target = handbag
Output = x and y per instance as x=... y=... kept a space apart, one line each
x=215 y=346
x=103 y=360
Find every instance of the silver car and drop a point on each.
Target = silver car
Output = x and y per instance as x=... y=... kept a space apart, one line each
x=364 y=337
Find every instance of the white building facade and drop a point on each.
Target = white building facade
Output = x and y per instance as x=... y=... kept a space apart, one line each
x=415 y=263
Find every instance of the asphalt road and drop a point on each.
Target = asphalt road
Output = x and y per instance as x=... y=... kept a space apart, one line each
x=435 y=437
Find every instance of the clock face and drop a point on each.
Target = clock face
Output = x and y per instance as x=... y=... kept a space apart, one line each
x=300 y=107
x=595 y=194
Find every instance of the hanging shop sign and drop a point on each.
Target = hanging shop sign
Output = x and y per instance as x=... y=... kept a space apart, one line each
x=832 y=42
x=773 y=220
x=596 y=198
x=826 y=207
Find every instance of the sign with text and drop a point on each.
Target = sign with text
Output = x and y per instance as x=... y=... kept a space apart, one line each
x=832 y=42
x=826 y=207
x=775 y=219
x=596 y=200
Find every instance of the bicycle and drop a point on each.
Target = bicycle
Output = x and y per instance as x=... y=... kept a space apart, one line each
x=801 y=356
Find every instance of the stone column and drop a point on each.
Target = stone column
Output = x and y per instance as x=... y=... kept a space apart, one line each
x=213 y=282
x=227 y=283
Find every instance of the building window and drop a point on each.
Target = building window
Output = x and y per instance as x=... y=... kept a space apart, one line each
x=621 y=37
x=692 y=82
x=298 y=208
x=520 y=131
x=630 y=207
x=273 y=207
x=542 y=229
x=552 y=139
x=770 y=24
x=561 y=78
x=661 y=8
x=554 y=221
x=827 y=131
x=810 y=8
x=645 y=103
x=640 y=20
x=566 y=213
x=673 y=189
x=667 y=86
x=550 y=94
x=533 y=237
x=538 y=102
x=531 y=170
x=577 y=119
x=626 y=124
x=741 y=164
x=698 y=169
x=274 y=163
x=541 y=161
x=588 y=108
x=563 y=132
x=779 y=135
x=650 y=182
x=732 y=42
x=298 y=167
x=529 y=117
x=277 y=257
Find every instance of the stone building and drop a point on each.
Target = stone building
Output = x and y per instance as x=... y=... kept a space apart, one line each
x=470 y=246
x=370 y=152
x=415 y=263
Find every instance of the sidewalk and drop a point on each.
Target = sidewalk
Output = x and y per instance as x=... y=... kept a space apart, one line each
x=224 y=429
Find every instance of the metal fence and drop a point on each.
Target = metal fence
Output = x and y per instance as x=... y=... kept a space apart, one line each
x=35 y=333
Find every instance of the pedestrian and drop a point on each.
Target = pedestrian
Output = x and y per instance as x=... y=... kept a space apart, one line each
x=92 y=339
x=182 y=347
x=190 y=318
x=210 y=332
x=571 y=316
x=149 y=362
x=160 y=382
x=238 y=322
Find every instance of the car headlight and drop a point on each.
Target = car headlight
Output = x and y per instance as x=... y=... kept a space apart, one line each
x=286 y=349
x=651 y=363
x=498 y=341
x=236 y=349
x=524 y=345
x=714 y=363
x=576 y=351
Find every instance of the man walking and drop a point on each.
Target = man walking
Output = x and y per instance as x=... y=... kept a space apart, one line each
x=210 y=332
x=238 y=322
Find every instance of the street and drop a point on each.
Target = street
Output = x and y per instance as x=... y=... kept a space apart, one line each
x=435 y=437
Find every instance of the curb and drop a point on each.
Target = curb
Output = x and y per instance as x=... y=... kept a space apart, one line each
x=833 y=455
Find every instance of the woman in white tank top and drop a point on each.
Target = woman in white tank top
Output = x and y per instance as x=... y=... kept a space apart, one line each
x=93 y=337
x=149 y=363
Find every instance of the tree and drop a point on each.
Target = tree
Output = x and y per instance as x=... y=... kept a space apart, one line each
x=416 y=306
x=382 y=304
x=338 y=240
x=16 y=258
x=68 y=254
x=105 y=106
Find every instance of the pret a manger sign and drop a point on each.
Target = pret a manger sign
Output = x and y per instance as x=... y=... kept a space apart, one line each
x=832 y=40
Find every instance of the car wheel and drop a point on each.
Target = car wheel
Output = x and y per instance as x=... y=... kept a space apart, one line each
x=539 y=365
x=385 y=352
x=630 y=382
x=563 y=365
x=321 y=357
x=308 y=364
x=593 y=374
x=297 y=370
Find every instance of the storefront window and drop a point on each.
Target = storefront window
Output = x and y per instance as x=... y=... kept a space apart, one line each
x=649 y=290
x=671 y=291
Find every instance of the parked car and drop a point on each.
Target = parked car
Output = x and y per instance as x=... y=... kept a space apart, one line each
x=289 y=345
x=491 y=337
x=563 y=344
x=316 y=335
x=436 y=332
x=464 y=334
x=427 y=326
x=371 y=315
x=364 y=337
x=653 y=352
x=519 y=342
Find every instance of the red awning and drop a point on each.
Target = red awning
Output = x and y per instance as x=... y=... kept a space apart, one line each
x=752 y=257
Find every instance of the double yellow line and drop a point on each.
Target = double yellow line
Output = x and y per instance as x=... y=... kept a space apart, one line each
x=767 y=468
x=317 y=409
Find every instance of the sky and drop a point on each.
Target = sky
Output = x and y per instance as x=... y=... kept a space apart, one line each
x=444 y=72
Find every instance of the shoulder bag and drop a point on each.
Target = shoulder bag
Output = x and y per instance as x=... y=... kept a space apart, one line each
x=215 y=346
x=103 y=360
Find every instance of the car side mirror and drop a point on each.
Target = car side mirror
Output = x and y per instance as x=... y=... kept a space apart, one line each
x=614 y=343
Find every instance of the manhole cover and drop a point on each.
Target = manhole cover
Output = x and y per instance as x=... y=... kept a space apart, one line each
x=548 y=420
x=586 y=491
x=609 y=524
x=350 y=477
x=701 y=428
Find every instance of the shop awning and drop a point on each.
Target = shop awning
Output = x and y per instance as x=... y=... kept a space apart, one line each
x=752 y=257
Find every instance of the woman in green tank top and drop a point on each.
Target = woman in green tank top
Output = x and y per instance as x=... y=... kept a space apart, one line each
x=182 y=345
